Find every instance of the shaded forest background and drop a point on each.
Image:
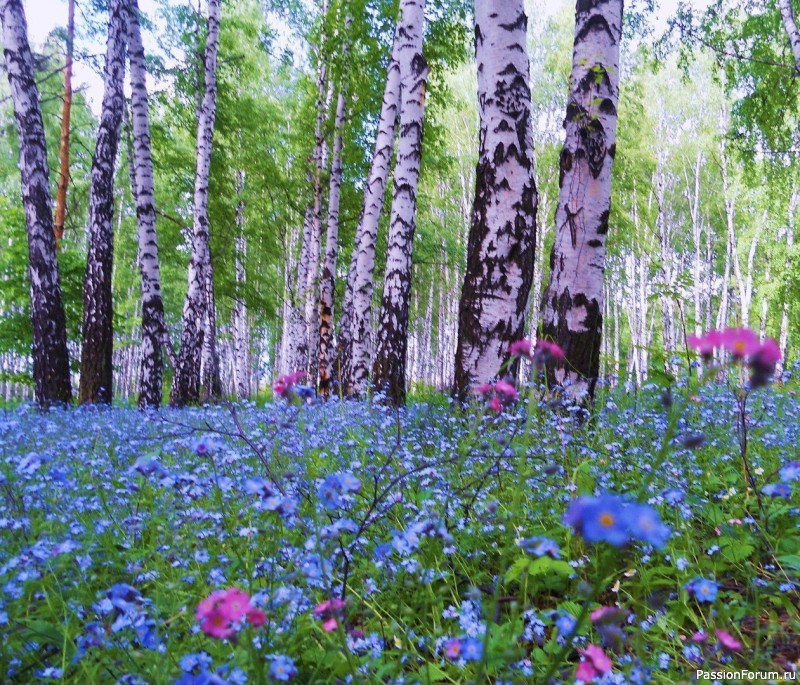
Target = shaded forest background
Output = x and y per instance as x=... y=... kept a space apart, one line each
x=705 y=196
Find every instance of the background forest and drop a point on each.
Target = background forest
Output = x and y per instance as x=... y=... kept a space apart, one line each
x=705 y=186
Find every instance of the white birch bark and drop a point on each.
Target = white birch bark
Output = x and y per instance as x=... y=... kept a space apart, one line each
x=357 y=361
x=186 y=382
x=502 y=238
x=97 y=348
x=389 y=368
x=240 y=322
x=574 y=299
x=328 y=280
x=783 y=336
x=154 y=329
x=297 y=342
x=51 y=374
x=790 y=25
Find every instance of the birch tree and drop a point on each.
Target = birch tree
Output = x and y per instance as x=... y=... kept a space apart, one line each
x=98 y=313
x=328 y=280
x=302 y=333
x=573 y=304
x=240 y=322
x=154 y=330
x=502 y=238
x=389 y=369
x=790 y=25
x=186 y=383
x=357 y=350
x=51 y=373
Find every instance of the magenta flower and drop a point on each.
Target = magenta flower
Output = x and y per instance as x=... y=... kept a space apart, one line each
x=330 y=611
x=740 y=342
x=705 y=344
x=728 y=641
x=221 y=613
x=217 y=624
x=283 y=386
x=595 y=663
x=546 y=351
x=506 y=389
x=520 y=348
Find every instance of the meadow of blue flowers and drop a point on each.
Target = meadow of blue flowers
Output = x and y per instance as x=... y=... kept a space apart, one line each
x=351 y=542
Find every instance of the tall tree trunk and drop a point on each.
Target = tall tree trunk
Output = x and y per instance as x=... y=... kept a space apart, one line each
x=502 y=237
x=66 y=110
x=573 y=303
x=389 y=369
x=212 y=385
x=154 y=329
x=240 y=317
x=783 y=338
x=787 y=14
x=297 y=349
x=328 y=282
x=51 y=374
x=186 y=383
x=692 y=195
x=356 y=345
x=98 y=333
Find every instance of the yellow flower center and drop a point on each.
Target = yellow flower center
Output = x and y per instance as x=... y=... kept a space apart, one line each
x=606 y=520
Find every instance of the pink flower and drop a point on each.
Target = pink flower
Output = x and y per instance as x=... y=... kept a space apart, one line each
x=235 y=603
x=483 y=389
x=283 y=386
x=728 y=641
x=209 y=604
x=740 y=342
x=495 y=404
x=505 y=388
x=217 y=624
x=705 y=344
x=585 y=672
x=329 y=605
x=699 y=636
x=546 y=351
x=600 y=662
x=520 y=348
x=256 y=617
x=609 y=614
x=768 y=353
x=330 y=611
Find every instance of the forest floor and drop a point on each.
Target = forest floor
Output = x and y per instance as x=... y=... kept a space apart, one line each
x=115 y=525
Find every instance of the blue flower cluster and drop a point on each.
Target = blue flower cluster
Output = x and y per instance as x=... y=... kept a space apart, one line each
x=611 y=518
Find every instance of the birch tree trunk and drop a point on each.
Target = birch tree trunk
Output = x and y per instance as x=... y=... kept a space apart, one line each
x=51 y=374
x=389 y=368
x=787 y=14
x=574 y=299
x=297 y=347
x=98 y=314
x=186 y=383
x=356 y=345
x=502 y=237
x=239 y=314
x=328 y=281
x=783 y=338
x=66 y=110
x=212 y=385
x=154 y=329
